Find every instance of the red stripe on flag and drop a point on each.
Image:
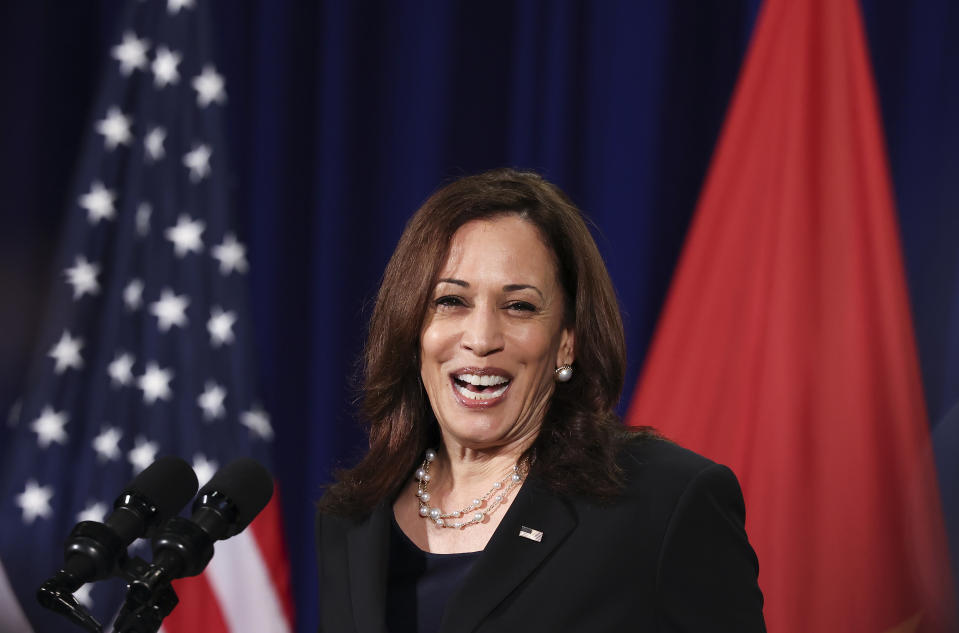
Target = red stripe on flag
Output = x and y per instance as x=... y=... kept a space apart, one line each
x=198 y=609
x=786 y=347
x=268 y=531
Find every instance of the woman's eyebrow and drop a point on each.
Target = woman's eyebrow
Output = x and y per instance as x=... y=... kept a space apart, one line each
x=515 y=287
x=456 y=282
x=506 y=288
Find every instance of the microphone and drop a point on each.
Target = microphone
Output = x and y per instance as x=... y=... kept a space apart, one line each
x=223 y=508
x=94 y=550
x=183 y=547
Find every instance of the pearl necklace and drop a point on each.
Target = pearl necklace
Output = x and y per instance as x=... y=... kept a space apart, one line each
x=496 y=496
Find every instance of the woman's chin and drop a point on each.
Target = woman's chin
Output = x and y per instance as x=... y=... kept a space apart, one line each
x=477 y=431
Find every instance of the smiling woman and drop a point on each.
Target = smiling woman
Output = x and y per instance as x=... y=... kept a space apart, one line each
x=499 y=479
x=493 y=336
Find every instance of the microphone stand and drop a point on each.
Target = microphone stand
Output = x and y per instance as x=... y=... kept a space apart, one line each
x=181 y=548
x=146 y=605
x=147 y=602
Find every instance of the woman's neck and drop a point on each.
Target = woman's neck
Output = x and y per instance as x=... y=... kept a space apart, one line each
x=460 y=475
x=458 y=478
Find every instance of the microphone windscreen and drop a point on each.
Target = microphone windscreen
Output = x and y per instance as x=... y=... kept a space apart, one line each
x=168 y=483
x=245 y=482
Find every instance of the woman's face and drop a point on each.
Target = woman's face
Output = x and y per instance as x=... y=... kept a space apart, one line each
x=494 y=335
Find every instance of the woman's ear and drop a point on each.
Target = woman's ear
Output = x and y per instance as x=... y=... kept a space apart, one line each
x=566 y=353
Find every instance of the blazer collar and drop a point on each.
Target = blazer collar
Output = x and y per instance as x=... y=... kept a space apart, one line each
x=505 y=563
x=510 y=558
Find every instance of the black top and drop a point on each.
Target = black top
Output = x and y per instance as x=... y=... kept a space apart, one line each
x=419 y=584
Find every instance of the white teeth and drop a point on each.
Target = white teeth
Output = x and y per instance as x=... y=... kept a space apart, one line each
x=482 y=381
x=480 y=395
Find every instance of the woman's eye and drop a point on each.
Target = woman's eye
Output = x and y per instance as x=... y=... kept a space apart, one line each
x=448 y=301
x=522 y=306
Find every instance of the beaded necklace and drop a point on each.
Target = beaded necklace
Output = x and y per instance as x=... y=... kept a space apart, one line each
x=480 y=507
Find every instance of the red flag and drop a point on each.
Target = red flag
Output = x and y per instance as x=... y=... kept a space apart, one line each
x=786 y=349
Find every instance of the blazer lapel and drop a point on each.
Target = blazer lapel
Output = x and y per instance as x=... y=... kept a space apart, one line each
x=509 y=558
x=368 y=543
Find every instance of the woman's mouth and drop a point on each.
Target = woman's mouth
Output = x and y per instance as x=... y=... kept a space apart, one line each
x=479 y=389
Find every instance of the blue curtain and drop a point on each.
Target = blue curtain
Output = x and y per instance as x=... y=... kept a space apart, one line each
x=344 y=116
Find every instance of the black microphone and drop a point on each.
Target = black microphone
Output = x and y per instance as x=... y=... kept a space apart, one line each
x=183 y=547
x=94 y=550
x=223 y=508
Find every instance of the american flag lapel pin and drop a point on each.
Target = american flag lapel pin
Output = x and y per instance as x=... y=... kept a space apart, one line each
x=531 y=534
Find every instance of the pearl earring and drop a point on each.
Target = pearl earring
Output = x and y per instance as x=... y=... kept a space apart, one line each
x=563 y=373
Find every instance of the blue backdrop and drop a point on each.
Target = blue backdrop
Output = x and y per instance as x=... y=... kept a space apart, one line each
x=343 y=117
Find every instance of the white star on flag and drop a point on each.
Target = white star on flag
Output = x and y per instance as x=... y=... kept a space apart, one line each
x=174 y=6
x=209 y=87
x=93 y=512
x=153 y=143
x=164 y=67
x=49 y=427
x=107 y=444
x=231 y=255
x=155 y=383
x=66 y=353
x=121 y=369
x=204 y=468
x=143 y=454
x=258 y=422
x=34 y=501
x=220 y=326
x=133 y=294
x=99 y=203
x=131 y=53
x=83 y=277
x=115 y=128
x=197 y=161
x=170 y=310
x=211 y=401
x=83 y=595
x=185 y=235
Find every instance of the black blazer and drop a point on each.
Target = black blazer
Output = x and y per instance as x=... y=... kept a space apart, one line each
x=670 y=555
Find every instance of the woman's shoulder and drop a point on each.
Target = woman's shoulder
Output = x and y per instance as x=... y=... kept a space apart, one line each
x=691 y=509
x=650 y=449
x=652 y=462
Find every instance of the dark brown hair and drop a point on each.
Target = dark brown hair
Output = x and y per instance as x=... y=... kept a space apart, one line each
x=574 y=452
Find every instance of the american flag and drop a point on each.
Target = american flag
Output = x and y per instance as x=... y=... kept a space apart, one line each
x=146 y=349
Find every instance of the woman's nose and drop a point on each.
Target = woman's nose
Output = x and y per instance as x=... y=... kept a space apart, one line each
x=482 y=332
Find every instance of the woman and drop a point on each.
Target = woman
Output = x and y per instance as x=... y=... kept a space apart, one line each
x=500 y=491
